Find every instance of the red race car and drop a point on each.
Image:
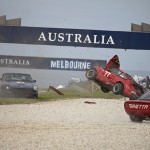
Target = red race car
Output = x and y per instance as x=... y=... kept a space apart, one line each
x=111 y=78
x=138 y=110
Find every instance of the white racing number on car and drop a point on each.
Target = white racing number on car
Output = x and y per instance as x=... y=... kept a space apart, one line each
x=138 y=106
x=107 y=74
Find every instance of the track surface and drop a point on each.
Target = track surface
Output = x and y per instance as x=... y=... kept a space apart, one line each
x=71 y=125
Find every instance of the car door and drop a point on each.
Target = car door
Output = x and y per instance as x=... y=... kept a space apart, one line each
x=107 y=76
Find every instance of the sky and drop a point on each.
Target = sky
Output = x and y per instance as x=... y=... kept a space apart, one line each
x=116 y=15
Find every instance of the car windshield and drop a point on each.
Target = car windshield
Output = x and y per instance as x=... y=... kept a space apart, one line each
x=118 y=72
x=17 y=77
x=145 y=96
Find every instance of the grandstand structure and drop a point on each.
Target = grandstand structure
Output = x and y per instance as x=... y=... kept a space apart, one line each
x=9 y=22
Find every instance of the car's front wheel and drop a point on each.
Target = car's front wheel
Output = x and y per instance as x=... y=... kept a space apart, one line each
x=135 y=118
x=117 y=88
x=105 y=90
x=36 y=96
x=91 y=73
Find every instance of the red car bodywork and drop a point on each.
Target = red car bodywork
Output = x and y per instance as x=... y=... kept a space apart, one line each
x=139 y=110
x=111 y=78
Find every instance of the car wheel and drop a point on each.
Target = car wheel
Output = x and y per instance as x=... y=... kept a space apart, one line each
x=35 y=97
x=105 y=90
x=91 y=74
x=135 y=118
x=117 y=88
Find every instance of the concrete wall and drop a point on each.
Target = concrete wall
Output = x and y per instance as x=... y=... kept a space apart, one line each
x=10 y=22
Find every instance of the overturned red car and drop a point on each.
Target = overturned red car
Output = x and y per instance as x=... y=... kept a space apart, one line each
x=111 y=78
x=138 y=110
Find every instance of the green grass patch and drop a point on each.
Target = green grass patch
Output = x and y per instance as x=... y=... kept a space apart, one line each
x=51 y=96
x=6 y=101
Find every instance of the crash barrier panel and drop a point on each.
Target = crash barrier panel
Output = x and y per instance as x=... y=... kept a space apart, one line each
x=56 y=90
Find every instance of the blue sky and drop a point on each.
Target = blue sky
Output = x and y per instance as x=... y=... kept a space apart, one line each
x=116 y=15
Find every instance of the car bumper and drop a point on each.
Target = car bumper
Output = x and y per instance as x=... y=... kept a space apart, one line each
x=20 y=93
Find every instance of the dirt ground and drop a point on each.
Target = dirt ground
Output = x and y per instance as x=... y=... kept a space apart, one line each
x=71 y=125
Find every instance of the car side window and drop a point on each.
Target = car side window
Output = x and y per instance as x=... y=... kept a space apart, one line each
x=6 y=77
x=117 y=72
x=28 y=78
x=114 y=71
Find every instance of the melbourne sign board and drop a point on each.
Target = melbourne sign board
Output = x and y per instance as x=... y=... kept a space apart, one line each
x=49 y=63
x=74 y=37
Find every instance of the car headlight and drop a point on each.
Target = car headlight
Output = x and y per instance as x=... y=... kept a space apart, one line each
x=35 y=88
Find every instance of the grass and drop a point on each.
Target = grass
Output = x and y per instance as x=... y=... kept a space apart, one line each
x=51 y=96
x=6 y=101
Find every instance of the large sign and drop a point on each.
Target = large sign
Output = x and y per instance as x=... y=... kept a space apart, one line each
x=75 y=37
x=48 y=63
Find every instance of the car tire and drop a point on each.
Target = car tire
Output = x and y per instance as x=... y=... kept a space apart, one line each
x=35 y=97
x=135 y=118
x=117 y=88
x=91 y=73
x=105 y=90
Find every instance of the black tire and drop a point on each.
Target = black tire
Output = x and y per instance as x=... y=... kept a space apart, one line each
x=91 y=74
x=135 y=118
x=105 y=90
x=117 y=88
x=36 y=96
